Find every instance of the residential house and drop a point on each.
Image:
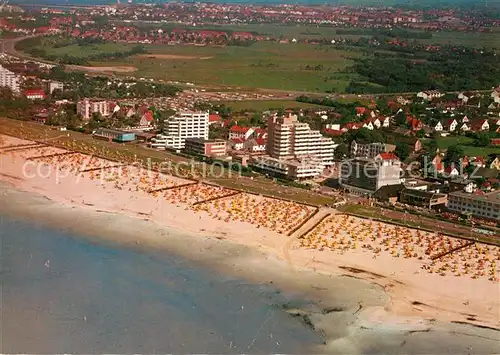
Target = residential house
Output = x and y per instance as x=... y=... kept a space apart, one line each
x=451 y=171
x=238 y=132
x=479 y=125
x=495 y=95
x=146 y=119
x=465 y=127
x=495 y=141
x=403 y=101
x=386 y=121
x=351 y=126
x=213 y=119
x=430 y=95
x=479 y=162
x=237 y=143
x=465 y=96
x=34 y=94
x=256 y=145
x=413 y=123
x=260 y=133
x=449 y=125
x=495 y=164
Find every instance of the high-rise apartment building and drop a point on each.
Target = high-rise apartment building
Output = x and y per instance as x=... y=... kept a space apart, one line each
x=10 y=80
x=288 y=138
x=183 y=125
x=87 y=107
x=367 y=175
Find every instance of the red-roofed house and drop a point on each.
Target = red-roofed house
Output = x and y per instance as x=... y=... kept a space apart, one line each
x=240 y=132
x=479 y=125
x=34 y=94
x=413 y=123
x=333 y=132
x=350 y=125
x=146 y=119
x=237 y=143
x=360 y=111
x=495 y=141
x=213 y=118
x=451 y=171
x=256 y=145
x=260 y=133
x=387 y=156
x=479 y=162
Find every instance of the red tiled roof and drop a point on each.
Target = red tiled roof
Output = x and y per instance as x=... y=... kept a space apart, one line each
x=333 y=132
x=260 y=141
x=34 y=92
x=239 y=129
x=213 y=118
x=238 y=140
x=149 y=116
x=388 y=156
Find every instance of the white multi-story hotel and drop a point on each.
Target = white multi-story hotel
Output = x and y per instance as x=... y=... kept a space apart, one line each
x=87 y=107
x=10 y=80
x=185 y=124
x=288 y=138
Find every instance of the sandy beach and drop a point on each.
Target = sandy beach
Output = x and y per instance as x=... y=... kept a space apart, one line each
x=422 y=291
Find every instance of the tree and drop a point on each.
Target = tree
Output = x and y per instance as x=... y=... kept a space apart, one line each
x=402 y=151
x=482 y=139
x=454 y=154
x=341 y=151
x=421 y=133
x=401 y=119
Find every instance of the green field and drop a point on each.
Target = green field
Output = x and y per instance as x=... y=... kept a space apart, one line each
x=87 y=51
x=264 y=105
x=262 y=65
x=466 y=144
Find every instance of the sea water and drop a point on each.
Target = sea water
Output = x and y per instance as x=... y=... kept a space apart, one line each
x=62 y=293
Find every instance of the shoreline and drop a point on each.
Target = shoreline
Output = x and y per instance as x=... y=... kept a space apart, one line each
x=381 y=300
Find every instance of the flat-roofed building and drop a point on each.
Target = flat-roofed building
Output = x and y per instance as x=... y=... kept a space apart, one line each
x=370 y=150
x=480 y=204
x=114 y=135
x=367 y=175
x=426 y=199
x=293 y=169
x=206 y=147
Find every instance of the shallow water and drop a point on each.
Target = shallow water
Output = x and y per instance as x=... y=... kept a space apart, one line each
x=62 y=293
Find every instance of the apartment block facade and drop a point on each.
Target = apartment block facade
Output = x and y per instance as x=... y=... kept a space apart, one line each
x=88 y=107
x=10 y=80
x=370 y=150
x=288 y=138
x=209 y=148
x=479 y=204
x=183 y=125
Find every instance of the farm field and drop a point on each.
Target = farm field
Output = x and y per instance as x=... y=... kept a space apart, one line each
x=264 y=105
x=467 y=144
x=297 y=67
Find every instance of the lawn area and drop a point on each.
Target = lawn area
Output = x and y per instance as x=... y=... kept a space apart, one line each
x=467 y=144
x=87 y=51
x=264 y=105
x=298 y=67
